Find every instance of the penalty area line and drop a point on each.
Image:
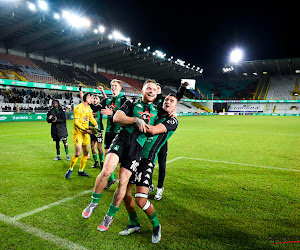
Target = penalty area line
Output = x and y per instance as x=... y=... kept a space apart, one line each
x=58 y=241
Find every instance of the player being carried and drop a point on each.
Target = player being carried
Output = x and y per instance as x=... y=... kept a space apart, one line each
x=126 y=149
x=82 y=115
x=166 y=124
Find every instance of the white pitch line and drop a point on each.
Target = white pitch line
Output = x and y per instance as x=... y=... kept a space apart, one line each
x=237 y=163
x=236 y=132
x=27 y=134
x=60 y=242
x=37 y=210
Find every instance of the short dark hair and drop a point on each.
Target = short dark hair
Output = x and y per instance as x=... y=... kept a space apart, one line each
x=171 y=94
x=85 y=96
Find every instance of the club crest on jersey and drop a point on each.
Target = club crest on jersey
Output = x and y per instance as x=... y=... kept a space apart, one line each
x=85 y=118
x=146 y=116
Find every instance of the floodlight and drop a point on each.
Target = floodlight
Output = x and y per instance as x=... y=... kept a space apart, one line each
x=86 y=22
x=76 y=21
x=65 y=13
x=117 y=35
x=43 y=5
x=31 y=6
x=95 y=31
x=56 y=16
x=110 y=37
x=160 y=54
x=101 y=29
x=139 y=44
x=236 y=55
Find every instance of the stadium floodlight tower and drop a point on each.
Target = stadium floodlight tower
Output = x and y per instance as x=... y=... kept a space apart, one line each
x=236 y=55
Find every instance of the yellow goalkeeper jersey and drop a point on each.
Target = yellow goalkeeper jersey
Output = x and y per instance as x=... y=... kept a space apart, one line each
x=82 y=116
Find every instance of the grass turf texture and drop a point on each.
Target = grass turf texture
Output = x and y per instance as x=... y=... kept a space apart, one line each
x=209 y=202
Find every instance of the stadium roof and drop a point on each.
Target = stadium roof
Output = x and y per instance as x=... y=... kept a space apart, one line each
x=273 y=67
x=37 y=31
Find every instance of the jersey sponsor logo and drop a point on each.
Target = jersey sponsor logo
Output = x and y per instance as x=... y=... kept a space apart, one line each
x=146 y=116
x=116 y=147
x=112 y=107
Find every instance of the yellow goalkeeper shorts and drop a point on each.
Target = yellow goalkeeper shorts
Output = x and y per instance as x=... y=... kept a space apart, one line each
x=81 y=138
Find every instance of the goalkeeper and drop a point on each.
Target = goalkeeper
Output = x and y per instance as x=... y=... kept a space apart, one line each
x=82 y=115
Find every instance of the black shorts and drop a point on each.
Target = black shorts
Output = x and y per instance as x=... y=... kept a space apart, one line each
x=128 y=150
x=97 y=137
x=59 y=139
x=143 y=175
x=108 y=139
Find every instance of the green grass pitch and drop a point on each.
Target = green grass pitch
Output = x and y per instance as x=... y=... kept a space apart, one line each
x=231 y=182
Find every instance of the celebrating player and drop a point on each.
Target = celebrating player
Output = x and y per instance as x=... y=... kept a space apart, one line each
x=126 y=148
x=57 y=117
x=81 y=134
x=162 y=131
x=163 y=152
x=111 y=106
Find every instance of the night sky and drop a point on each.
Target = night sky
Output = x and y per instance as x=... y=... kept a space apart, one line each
x=203 y=33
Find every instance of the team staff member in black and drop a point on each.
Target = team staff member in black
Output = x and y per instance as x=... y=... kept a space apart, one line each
x=57 y=117
x=162 y=154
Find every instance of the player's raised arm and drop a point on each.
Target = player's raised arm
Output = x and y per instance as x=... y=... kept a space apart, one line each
x=80 y=92
x=102 y=91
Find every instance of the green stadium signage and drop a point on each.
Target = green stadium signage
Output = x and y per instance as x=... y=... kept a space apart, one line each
x=21 y=117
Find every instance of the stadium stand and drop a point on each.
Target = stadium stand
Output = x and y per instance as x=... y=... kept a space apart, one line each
x=127 y=87
x=53 y=70
x=227 y=90
x=281 y=88
x=21 y=68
